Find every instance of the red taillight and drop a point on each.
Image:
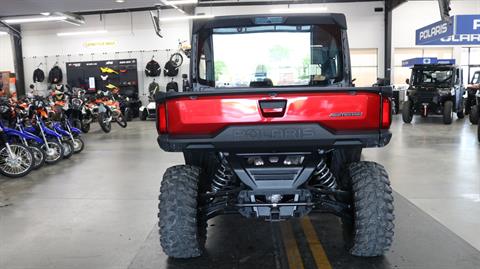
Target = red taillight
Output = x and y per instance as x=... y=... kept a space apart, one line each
x=162 y=118
x=386 y=113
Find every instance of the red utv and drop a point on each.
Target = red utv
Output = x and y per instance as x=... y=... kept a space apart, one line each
x=273 y=129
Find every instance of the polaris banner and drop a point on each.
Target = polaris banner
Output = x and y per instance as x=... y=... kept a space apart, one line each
x=427 y=60
x=433 y=32
x=464 y=30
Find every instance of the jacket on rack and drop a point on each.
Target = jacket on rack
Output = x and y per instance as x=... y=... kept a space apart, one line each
x=170 y=70
x=38 y=75
x=55 y=75
x=153 y=69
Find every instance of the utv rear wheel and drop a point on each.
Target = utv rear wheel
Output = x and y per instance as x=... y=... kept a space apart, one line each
x=407 y=114
x=448 y=112
x=474 y=114
x=373 y=209
x=182 y=229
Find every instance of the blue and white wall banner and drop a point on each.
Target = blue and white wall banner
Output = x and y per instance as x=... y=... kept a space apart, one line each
x=433 y=32
x=464 y=30
x=426 y=60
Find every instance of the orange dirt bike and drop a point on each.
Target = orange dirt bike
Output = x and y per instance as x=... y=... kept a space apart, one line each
x=106 y=110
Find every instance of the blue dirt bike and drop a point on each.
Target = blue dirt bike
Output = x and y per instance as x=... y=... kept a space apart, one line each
x=16 y=160
x=52 y=143
x=70 y=133
x=29 y=140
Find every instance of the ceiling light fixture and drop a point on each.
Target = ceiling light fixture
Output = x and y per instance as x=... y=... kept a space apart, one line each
x=119 y=1
x=20 y=20
x=45 y=13
x=83 y=33
x=182 y=18
x=299 y=10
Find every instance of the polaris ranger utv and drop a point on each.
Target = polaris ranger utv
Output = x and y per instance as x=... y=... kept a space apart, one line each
x=472 y=106
x=434 y=89
x=278 y=146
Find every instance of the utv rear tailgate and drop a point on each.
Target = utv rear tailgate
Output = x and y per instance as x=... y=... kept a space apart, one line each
x=261 y=118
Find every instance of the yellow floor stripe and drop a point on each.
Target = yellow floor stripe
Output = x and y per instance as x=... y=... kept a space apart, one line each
x=321 y=259
x=291 y=248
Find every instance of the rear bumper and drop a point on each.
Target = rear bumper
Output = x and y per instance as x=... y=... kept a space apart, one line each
x=276 y=137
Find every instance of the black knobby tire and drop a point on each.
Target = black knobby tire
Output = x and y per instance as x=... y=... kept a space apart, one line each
x=474 y=114
x=373 y=209
x=448 y=112
x=144 y=114
x=105 y=124
x=85 y=127
x=122 y=121
x=78 y=144
x=182 y=229
x=407 y=114
x=68 y=149
x=20 y=165
x=128 y=114
x=55 y=154
x=176 y=59
x=461 y=114
x=39 y=156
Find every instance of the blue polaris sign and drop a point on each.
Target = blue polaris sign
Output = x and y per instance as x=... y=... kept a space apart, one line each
x=467 y=24
x=464 y=30
x=433 y=32
x=414 y=61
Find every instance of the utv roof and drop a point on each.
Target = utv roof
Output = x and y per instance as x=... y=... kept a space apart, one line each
x=434 y=66
x=270 y=19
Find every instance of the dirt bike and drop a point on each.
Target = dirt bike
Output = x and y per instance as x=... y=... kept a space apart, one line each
x=79 y=115
x=50 y=140
x=16 y=160
x=177 y=57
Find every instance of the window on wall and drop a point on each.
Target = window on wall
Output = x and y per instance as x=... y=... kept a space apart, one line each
x=470 y=63
x=400 y=74
x=364 y=66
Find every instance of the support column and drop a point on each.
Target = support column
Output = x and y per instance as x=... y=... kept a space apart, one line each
x=388 y=43
x=18 y=61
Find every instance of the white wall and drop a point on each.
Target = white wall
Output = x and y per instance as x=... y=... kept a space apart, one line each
x=133 y=37
x=6 y=54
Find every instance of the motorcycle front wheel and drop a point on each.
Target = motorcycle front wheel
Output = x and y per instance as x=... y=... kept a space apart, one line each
x=105 y=124
x=67 y=149
x=54 y=152
x=17 y=164
x=78 y=145
x=39 y=156
x=122 y=121
x=85 y=127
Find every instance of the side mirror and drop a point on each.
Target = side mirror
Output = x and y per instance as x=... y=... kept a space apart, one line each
x=184 y=76
x=353 y=80
x=407 y=81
